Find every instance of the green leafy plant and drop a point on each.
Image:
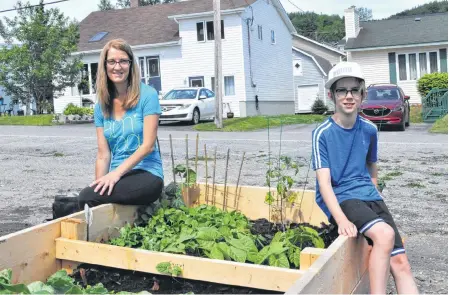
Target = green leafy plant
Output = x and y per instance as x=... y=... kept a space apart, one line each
x=169 y=268
x=278 y=177
x=207 y=231
x=72 y=109
x=429 y=81
x=58 y=283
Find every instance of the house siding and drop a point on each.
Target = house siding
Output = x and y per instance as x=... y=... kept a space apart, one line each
x=330 y=55
x=271 y=63
x=198 y=59
x=375 y=65
x=311 y=75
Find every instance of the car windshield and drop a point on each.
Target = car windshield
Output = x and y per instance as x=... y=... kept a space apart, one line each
x=383 y=94
x=181 y=94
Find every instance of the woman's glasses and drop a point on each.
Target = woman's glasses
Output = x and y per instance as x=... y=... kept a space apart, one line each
x=124 y=63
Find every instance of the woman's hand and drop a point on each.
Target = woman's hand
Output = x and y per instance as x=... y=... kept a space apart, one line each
x=105 y=182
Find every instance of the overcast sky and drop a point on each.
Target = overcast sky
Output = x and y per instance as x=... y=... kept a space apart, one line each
x=79 y=9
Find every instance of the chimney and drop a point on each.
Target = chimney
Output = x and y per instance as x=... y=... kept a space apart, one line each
x=352 y=23
x=134 y=3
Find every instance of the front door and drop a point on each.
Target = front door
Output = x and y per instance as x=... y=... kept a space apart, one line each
x=306 y=96
x=196 y=81
x=150 y=71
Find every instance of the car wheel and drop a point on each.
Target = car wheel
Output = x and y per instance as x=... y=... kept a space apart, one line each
x=195 y=117
x=402 y=126
x=407 y=123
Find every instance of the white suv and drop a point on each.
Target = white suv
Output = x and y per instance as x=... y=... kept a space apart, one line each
x=188 y=104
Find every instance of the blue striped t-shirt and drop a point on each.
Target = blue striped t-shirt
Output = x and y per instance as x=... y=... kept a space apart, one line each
x=345 y=152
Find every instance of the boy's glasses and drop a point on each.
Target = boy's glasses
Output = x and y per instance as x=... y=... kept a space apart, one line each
x=356 y=92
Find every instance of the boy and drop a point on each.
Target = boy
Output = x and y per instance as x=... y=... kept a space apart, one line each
x=344 y=157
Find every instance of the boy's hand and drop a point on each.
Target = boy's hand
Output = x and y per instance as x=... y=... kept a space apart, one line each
x=347 y=228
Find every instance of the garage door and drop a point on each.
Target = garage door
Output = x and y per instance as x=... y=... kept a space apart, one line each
x=305 y=98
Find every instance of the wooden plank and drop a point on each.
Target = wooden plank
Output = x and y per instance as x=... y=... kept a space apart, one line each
x=363 y=285
x=31 y=252
x=74 y=229
x=204 y=269
x=250 y=200
x=308 y=256
x=337 y=271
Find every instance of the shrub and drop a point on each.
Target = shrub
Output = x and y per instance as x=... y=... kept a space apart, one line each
x=72 y=109
x=429 y=81
x=319 y=107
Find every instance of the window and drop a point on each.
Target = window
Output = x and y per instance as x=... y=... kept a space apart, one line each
x=402 y=67
x=98 y=36
x=273 y=37
x=203 y=93
x=200 y=32
x=259 y=32
x=212 y=83
x=229 y=85
x=413 y=74
x=93 y=75
x=412 y=66
x=210 y=30
x=433 y=57
x=153 y=67
x=196 y=81
x=210 y=93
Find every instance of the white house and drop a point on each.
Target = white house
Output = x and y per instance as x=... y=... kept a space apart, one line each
x=174 y=44
x=399 y=50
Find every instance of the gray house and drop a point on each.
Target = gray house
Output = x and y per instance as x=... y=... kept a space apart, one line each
x=309 y=75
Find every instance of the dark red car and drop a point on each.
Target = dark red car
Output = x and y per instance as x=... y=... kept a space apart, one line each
x=386 y=105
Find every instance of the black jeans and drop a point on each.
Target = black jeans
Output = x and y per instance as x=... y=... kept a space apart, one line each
x=137 y=187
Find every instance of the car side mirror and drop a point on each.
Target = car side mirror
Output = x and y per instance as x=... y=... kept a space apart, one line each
x=202 y=97
x=406 y=97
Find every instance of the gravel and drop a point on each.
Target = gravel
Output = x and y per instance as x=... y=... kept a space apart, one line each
x=38 y=163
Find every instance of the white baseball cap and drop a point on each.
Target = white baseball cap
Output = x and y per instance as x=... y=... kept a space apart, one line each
x=343 y=70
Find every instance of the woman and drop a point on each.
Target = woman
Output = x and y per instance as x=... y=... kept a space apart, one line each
x=128 y=168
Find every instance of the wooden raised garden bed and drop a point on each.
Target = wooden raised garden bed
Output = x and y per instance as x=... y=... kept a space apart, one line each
x=37 y=252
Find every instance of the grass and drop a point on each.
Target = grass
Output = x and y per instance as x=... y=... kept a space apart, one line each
x=202 y=158
x=390 y=175
x=437 y=174
x=415 y=114
x=260 y=122
x=37 y=120
x=440 y=126
x=57 y=154
x=415 y=185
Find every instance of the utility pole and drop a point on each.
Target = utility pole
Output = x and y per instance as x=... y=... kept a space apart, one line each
x=218 y=66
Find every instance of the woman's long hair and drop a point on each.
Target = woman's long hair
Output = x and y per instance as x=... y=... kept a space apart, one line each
x=106 y=89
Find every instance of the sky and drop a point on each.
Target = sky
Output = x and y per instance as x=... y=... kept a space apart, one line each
x=79 y=9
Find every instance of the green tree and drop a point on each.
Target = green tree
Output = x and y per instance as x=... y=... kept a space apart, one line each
x=37 y=64
x=365 y=14
x=428 y=8
x=127 y=3
x=319 y=27
x=105 y=5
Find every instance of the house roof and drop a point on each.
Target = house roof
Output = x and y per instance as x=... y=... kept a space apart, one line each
x=144 y=25
x=323 y=64
x=431 y=28
x=335 y=50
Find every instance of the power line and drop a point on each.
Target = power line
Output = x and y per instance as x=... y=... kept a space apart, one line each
x=291 y=2
x=13 y=9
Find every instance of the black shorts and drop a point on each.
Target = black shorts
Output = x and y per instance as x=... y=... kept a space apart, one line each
x=364 y=214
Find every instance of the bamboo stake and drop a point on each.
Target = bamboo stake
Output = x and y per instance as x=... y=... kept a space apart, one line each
x=172 y=160
x=225 y=197
x=207 y=175
x=213 y=176
x=196 y=153
x=236 y=207
x=187 y=169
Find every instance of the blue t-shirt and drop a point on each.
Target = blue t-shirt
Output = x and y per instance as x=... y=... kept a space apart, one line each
x=126 y=135
x=345 y=152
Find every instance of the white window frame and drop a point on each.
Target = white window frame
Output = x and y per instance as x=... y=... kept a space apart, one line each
x=418 y=69
x=260 y=32
x=206 y=39
x=273 y=37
